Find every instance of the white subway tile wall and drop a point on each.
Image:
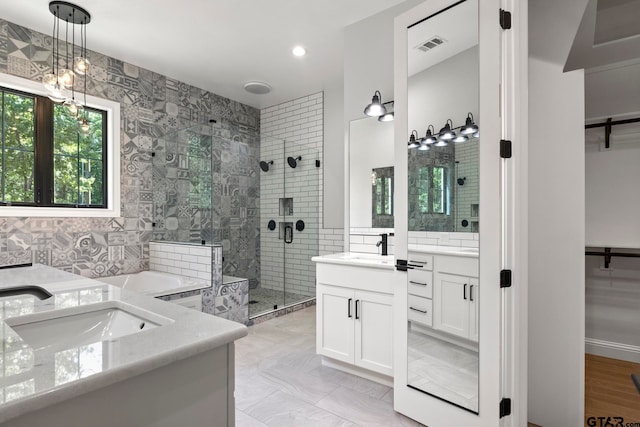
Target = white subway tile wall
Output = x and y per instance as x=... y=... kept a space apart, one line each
x=185 y=260
x=291 y=129
x=331 y=241
x=364 y=240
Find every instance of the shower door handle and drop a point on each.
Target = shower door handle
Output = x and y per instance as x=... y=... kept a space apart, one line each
x=288 y=234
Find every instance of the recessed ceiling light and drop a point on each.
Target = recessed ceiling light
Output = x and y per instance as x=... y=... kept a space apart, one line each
x=258 y=88
x=299 y=51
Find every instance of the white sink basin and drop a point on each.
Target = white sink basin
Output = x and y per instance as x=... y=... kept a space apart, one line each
x=73 y=327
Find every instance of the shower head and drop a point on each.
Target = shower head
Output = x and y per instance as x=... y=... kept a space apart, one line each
x=265 y=165
x=293 y=161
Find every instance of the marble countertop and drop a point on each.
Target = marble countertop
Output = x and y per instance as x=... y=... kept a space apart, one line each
x=445 y=250
x=33 y=378
x=358 y=260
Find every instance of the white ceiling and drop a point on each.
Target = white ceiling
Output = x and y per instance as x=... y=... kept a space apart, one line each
x=219 y=45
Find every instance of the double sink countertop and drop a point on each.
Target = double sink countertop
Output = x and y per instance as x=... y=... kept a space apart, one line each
x=56 y=369
x=388 y=261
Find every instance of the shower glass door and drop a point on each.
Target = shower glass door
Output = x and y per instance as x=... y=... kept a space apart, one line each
x=301 y=196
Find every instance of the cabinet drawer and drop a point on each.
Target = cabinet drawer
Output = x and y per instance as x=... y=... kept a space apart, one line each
x=420 y=283
x=420 y=310
x=421 y=261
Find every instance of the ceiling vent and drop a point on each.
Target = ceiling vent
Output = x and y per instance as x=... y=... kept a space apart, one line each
x=432 y=43
x=258 y=88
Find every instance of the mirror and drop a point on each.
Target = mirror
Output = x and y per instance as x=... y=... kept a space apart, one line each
x=443 y=195
x=382 y=197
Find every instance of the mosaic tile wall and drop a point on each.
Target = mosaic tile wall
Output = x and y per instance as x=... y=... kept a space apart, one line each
x=152 y=105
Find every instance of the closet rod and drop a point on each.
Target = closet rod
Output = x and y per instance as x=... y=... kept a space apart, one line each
x=607 y=254
x=607 y=125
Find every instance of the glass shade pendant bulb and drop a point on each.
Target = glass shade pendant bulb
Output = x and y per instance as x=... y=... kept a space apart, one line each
x=56 y=93
x=81 y=65
x=84 y=125
x=73 y=106
x=65 y=77
x=375 y=108
x=50 y=81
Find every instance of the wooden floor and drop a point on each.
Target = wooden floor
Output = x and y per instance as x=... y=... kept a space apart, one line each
x=609 y=391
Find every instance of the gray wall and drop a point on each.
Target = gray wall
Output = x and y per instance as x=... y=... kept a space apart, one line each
x=556 y=218
x=151 y=106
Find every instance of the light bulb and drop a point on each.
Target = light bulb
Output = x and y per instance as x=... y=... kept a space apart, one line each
x=424 y=147
x=56 y=93
x=73 y=106
x=49 y=81
x=65 y=77
x=81 y=65
x=84 y=126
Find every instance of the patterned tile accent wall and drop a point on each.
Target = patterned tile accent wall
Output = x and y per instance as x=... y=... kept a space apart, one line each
x=297 y=130
x=152 y=105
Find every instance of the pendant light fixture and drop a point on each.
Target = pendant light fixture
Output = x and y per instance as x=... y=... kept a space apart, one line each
x=64 y=68
x=376 y=108
x=413 y=141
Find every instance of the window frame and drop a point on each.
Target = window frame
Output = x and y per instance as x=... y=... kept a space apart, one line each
x=111 y=173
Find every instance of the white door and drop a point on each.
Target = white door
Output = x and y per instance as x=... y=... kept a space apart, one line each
x=335 y=315
x=451 y=300
x=373 y=331
x=425 y=195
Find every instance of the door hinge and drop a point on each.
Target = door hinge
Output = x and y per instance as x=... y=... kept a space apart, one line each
x=505 y=407
x=505 y=19
x=505 y=278
x=505 y=148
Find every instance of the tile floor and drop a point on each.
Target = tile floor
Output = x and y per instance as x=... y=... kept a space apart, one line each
x=262 y=300
x=443 y=369
x=281 y=382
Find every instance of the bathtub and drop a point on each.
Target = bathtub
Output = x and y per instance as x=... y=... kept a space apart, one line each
x=155 y=283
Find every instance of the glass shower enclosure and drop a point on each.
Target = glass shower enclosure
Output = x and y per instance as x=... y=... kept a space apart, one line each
x=257 y=196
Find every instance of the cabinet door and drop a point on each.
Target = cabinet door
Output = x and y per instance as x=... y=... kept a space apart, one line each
x=474 y=304
x=334 y=320
x=451 y=304
x=373 y=331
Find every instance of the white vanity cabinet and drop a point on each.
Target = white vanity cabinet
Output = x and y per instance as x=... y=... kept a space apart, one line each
x=455 y=294
x=354 y=317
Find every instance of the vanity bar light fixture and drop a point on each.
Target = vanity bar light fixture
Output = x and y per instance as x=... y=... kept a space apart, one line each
x=413 y=139
x=447 y=134
x=376 y=108
x=389 y=115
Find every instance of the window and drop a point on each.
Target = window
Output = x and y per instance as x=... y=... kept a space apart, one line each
x=48 y=167
x=433 y=196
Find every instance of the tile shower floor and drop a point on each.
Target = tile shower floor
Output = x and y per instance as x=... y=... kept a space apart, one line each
x=281 y=382
x=262 y=300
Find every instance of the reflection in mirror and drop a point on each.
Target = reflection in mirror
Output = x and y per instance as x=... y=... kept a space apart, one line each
x=382 y=197
x=370 y=150
x=443 y=196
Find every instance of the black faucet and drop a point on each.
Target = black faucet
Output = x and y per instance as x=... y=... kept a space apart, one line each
x=383 y=242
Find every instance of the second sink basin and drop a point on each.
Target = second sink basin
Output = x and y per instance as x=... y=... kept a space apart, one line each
x=72 y=327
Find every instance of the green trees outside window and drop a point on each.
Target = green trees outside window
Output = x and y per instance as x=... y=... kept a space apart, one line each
x=432 y=196
x=45 y=159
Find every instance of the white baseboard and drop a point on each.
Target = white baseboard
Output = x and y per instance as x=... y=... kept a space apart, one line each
x=614 y=350
x=358 y=371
